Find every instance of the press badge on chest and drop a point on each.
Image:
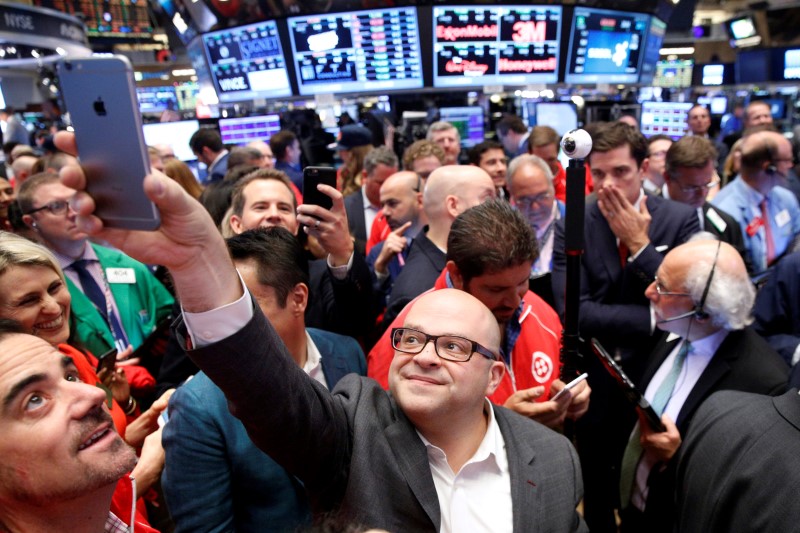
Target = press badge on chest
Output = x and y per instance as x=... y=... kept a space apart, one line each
x=121 y=275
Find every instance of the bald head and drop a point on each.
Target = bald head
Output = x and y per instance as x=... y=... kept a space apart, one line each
x=400 y=198
x=23 y=168
x=452 y=189
x=479 y=322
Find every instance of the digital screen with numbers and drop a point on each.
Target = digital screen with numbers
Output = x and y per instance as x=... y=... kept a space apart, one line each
x=247 y=62
x=487 y=45
x=360 y=51
x=107 y=18
x=606 y=46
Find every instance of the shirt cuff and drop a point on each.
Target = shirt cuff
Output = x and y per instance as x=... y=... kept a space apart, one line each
x=633 y=257
x=381 y=277
x=340 y=272
x=796 y=355
x=212 y=326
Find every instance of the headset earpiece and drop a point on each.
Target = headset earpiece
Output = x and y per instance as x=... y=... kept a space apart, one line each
x=771 y=169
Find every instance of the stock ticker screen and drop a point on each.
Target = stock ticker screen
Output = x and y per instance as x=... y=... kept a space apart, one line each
x=509 y=45
x=366 y=51
x=606 y=46
x=247 y=62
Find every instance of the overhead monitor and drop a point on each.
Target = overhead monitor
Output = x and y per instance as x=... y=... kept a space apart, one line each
x=753 y=66
x=605 y=46
x=743 y=31
x=156 y=99
x=174 y=134
x=791 y=64
x=116 y=19
x=667 y=118
x=359 y=51
x=468 y=120
x=475 y=46
x=674 y=74
x=247 y=62
x=655 y=36
x=561 y=116
x=713 y=74
x=241 y=131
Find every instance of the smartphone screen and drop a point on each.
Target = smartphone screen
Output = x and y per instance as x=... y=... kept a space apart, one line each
x=107 y=361
x=100 y=95
x=312 y=176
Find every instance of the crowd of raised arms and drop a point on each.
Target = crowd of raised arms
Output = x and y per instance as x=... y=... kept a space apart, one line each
x=394 y=363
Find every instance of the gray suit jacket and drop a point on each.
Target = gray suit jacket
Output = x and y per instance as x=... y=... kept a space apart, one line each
x=740 y=465
x=358 y=454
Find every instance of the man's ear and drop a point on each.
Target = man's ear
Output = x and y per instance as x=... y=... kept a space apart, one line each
x=28 y=220
x=496 y=373
x=235 y=223
x=451 y=204
x=455 y=275
x=646 y=165
x=298 y=299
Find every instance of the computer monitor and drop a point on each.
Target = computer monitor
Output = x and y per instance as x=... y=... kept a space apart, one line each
x=742 y=31
x=156 y=99
x=474 y=46
x=791 y=64
x=247 y=62
x=753 y=66
x=174 y=134
x=674 y=74
x=114 y=19
x=606 y=46
x=561 y=116
x=241 y=131
x=713 y=74
x=667 y=118
x=468 y=120
x=655 y=36
x=358 y=51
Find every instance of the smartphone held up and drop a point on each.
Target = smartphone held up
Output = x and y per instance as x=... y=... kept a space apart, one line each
x=100 y=95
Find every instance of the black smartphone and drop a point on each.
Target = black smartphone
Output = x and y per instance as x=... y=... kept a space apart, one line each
x=628 y=388
x=312 y=176
x=107 y=361
x=100 y=96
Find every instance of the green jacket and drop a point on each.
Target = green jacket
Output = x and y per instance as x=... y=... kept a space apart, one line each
x=141 y=305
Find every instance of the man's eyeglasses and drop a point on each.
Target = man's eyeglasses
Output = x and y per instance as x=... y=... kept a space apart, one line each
x=449 y=347
x=694 y=189
x=526 y=202
x=58 y=207
x=664 y=292
x=659 y=154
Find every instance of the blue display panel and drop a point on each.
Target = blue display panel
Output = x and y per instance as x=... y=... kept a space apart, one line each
x=241 y=131
x=361 y=51
x=495 y=45
x=468 y=120
x=606 y=46
x=655 y=37
x=247 y=62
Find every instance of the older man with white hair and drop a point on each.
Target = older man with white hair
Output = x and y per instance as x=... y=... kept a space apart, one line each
x=701 y=298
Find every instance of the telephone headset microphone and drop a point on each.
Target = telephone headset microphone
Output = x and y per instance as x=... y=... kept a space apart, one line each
x=698 y=311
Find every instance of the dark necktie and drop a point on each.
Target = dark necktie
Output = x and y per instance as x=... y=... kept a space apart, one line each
x=95 y=293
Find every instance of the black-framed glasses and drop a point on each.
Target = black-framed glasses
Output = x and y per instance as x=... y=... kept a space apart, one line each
x=526 y=202
x=664 y=292
x=448 y=347
x=57 y=207
x=694 y=189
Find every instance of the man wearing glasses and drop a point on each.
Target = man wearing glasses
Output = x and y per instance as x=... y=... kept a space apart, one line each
x=701 y=298
x=767 y=213
x=116 y=301
x=530 y=184
x=689 y=176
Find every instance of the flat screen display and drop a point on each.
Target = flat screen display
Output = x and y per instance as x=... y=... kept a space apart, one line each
x=156 y=99
x=655 y=36
x=676 y=74
x=742 y=28
x=667 y=118
x=561 y=116
x=174 y=134
x=606 y=46
x=127 y=19
x=753 y=66
x=241 y=131
x=360 y=51
x=247 y=62
x=713 y=74
x=791 y=64
x=503 y=45
x=469 y=122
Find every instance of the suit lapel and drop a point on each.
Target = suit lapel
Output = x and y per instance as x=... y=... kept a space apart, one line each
x=788 y=406
x=660 y=353
x=412 y=461
x=525 y=502
x=598 y=228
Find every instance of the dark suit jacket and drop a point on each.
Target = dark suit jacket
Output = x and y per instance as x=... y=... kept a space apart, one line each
x=356 y=452
x=739 y=465
x=354 y=205
x=216 y=479
x=777 y=309
x=732 y=234
x=613 y=306
x=424 y=264
x=743 y=362
x=219 y=170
